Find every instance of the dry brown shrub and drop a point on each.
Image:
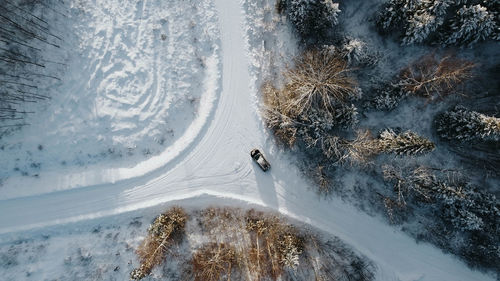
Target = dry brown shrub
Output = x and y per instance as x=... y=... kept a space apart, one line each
x=161 y=234
x=275 y=245
x=333 y=147
x=435 y=78
x=282 y=123
x=213 y=262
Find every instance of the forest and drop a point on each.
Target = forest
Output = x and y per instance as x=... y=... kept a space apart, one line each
x=438 y=180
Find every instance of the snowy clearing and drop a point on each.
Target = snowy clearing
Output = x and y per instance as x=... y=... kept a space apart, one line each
x=217 y=169
x=138 y=89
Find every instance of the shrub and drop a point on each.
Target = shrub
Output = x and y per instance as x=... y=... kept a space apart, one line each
x=275 y=245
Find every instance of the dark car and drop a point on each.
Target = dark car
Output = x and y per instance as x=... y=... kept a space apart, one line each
x=260 y=160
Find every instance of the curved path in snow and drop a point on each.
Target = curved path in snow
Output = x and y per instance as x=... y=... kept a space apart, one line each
x=219 y=170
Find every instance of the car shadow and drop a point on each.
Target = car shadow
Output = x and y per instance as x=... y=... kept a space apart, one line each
x=265 y=185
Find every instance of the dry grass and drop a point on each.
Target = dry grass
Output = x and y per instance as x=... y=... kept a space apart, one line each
x=435 y=78
x=161 y=234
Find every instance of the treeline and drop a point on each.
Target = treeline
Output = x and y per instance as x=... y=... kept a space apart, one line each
x=26 y=36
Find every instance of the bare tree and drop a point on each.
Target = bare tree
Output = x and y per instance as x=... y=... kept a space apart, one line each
x=314 y=98
x=435 y=78
x=319 y=78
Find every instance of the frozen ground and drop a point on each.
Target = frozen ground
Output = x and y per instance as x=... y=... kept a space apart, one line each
x=216 y=169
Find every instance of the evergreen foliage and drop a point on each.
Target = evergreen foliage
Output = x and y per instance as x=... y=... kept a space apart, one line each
x=465 y=125
x=406 y=143
x=311 y=18
x=470 y=25
x=449 y=22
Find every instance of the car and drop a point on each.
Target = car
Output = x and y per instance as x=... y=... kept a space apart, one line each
x=258 y=157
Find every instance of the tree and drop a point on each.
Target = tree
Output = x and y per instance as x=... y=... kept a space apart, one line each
x=406 y=143
x=465 y=125
x=470 y=25
x=435 y=78
x=358 y=52
x=161 y=232
x=420 y=26
x=365 y=146
x=419 y=21
x=396 y=12
x=310 y=17
x=314 y=99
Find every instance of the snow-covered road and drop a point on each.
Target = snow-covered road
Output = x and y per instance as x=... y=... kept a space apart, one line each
x=218 y=169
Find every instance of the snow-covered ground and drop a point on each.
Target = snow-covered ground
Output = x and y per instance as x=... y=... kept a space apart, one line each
x=140 y=82
x=216 y=169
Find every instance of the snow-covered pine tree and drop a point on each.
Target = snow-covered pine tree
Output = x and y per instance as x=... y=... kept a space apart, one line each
x=406 y=143
x=465 y=125
x=470 y=25
x=474 y=211
x=420 y=26
x=315 y=124
x=311 y=17
x=387 y=98
x=423 y=20
x=396 y=12
x=357 y=52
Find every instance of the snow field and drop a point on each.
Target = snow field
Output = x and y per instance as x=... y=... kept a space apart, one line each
x=141 y=80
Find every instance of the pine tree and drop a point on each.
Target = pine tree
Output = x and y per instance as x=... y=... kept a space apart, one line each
x=423 y=20
x=396 y=12
x=420 y=26
x=388 y=97
x=311 y=17
x=471 y=24
x=464 y=125
x=357 y=52
x=406 y=143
